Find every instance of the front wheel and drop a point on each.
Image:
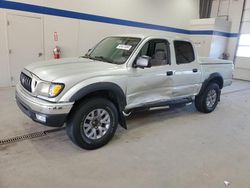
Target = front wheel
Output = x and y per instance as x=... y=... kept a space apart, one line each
x=93 y=123
x=207 y=101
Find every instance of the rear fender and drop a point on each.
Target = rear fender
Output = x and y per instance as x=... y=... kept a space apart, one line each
x=214 y=77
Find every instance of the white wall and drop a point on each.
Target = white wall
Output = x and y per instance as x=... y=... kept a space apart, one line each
x=210 y=45
x=4 y=58
x=242 y=65
x=232 y=11
x=67 y=30
x=163 y=12
x=77 y=36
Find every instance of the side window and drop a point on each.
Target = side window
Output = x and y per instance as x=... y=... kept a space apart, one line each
x=184 y=52
x=160 y=46
x=144 y=50
x=158 y=51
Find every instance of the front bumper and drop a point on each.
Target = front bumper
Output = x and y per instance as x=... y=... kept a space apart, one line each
x=41 y=111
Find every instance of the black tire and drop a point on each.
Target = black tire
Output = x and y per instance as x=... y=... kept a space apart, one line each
x=79 y=115
x=201 y=99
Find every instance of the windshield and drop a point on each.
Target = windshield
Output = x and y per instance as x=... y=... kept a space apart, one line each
x=114 y=49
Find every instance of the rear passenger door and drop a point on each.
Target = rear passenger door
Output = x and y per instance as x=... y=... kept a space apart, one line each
x=187 y=74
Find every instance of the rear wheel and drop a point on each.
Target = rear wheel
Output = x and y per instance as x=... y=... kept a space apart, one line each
x=208 y=100
x=93 y=123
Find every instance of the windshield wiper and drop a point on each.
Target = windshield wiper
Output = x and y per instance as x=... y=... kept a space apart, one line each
x=97 y=58
x=102 y=59
x=85 y=56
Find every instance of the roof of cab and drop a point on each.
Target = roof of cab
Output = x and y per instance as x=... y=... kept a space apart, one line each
x=143 y=36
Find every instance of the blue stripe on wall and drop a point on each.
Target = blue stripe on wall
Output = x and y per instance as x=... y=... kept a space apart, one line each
x=104 y=19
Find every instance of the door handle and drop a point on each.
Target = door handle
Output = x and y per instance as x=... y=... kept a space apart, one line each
x=195 y=70
x=170 y=73
x=40 y=54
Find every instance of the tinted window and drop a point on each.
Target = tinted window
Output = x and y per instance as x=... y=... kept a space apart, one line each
x=158 y=51
x=114 y=49
x=160 y=46
x=144 y=50
x=184 y=52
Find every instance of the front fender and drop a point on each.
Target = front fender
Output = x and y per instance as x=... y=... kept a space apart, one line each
x=117 y=92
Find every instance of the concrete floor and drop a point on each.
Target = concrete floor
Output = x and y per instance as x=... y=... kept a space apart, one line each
x=165 y=148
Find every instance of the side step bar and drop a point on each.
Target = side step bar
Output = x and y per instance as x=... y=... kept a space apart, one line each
x=172 y=103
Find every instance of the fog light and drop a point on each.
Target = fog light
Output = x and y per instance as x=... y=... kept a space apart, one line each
x=41 y=118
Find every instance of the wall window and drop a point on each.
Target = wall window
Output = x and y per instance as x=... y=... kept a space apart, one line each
x=244 y=46
x=184 y=52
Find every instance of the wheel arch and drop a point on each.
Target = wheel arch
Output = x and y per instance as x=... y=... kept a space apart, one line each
x=104 y=89
x=213 y=78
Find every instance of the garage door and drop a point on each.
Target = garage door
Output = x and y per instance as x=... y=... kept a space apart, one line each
x=242 y=66
x=25 y=43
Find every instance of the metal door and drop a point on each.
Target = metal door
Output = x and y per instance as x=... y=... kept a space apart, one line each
x=25 y=41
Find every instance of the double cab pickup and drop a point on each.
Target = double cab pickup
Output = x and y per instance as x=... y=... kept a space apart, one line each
x=94 y=93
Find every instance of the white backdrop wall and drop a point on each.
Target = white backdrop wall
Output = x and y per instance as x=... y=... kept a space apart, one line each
x=4 y=59
x=77 y=36
x=232 y=11
x=175 y=13
x=242 y=64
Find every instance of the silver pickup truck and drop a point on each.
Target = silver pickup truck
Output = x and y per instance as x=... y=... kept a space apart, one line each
x=92 y=94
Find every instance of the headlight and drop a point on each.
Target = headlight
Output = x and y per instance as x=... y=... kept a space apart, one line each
x=55 y=89
x=50 y=90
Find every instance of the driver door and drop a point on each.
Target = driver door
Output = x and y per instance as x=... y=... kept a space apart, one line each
x=151 y=84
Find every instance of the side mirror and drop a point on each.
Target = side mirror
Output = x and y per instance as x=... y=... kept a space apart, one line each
x=143 y=62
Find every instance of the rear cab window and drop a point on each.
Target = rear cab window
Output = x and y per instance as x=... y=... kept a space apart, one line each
x=184 y=52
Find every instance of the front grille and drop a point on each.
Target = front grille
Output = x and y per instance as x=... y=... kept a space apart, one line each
x=25 y=81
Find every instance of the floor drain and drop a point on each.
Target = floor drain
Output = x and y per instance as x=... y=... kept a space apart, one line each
x=28 y=136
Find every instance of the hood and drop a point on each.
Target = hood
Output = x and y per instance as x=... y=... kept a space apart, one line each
x=55 y=69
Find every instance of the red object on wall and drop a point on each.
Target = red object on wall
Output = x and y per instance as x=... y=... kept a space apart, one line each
x=55 y=36
x=57 y=52
x=56 y=56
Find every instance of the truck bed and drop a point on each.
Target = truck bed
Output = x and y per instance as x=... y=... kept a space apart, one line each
x=211 y=65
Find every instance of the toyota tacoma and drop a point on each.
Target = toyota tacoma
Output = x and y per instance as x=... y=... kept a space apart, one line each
x=94 y=93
